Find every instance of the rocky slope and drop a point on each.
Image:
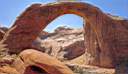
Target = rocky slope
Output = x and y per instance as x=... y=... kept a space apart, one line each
x=67 y=45
x=63 y=43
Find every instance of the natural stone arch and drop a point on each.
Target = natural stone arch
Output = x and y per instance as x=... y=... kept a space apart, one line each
x=108 y=35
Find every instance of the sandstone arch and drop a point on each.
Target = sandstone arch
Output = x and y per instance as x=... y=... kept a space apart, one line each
x=110 y=35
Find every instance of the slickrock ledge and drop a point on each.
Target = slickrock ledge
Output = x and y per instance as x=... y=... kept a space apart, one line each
x=41 y=62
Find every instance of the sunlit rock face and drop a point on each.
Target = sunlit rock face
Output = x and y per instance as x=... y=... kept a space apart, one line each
x=107 y=38
x=3 y=30
x=8 y=70
x=63 y=43
x=34 y=62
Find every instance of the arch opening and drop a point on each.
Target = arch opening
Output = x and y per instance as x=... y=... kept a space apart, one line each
x=90 y=42
x=68 y=36
x=68 y=20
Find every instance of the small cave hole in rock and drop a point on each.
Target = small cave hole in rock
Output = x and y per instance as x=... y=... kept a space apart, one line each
x=34 y=70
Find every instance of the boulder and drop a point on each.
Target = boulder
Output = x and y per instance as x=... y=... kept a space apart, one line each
x=74 y=50
x=35 y=62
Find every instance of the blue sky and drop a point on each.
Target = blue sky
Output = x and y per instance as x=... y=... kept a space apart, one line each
x=10 y=9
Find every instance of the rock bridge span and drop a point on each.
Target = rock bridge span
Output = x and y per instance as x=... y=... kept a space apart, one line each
x=106 y=38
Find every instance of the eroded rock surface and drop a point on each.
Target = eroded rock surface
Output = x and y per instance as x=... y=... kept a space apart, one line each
x=64 y=43
x=3 y=30
x=108 y=35
x=35 y=62
x=8 y=70
x=1 y=34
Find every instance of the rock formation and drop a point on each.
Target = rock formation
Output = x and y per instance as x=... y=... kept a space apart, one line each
x=63 y=43
x=107 y=38
x=74 y=50
x=3 y=30
x=31 y=64
x=1 y=34
x=8 y=70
